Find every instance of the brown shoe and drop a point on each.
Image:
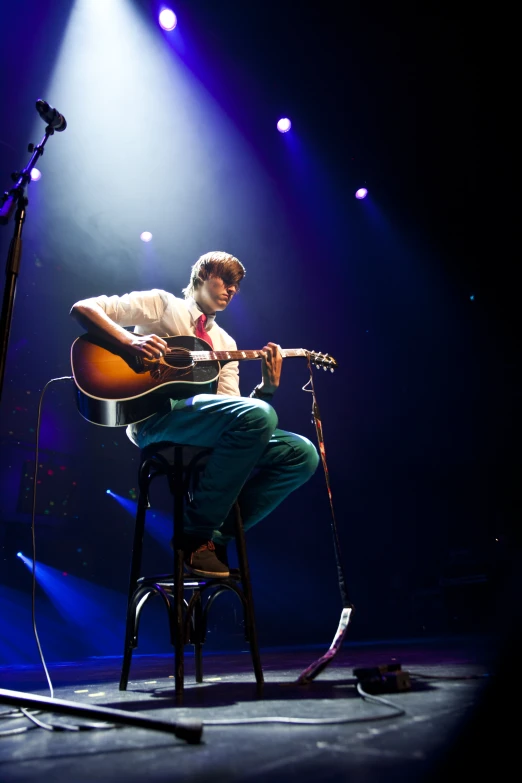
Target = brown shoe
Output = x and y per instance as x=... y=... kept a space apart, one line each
x=201 y=559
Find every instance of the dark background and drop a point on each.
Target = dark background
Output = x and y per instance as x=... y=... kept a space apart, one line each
x=411 y=290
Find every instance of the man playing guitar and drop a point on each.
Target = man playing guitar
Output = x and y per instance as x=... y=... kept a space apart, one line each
x=252 y=460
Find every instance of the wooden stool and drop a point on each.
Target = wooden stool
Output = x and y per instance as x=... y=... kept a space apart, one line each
x=182 y=465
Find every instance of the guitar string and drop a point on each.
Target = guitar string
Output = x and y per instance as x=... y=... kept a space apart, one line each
x=217 y=355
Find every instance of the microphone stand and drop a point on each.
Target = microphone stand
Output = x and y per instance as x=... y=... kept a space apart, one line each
x=315 y=668
x=15 y=202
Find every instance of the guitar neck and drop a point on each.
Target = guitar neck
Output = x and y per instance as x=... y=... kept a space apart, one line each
x=236 y=356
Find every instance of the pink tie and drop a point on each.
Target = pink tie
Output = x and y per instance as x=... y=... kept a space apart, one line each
x=200 y=330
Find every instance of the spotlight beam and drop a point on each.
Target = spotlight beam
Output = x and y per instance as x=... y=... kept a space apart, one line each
x=187 y=729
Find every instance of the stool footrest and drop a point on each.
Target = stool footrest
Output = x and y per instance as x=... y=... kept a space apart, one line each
x=189 y=580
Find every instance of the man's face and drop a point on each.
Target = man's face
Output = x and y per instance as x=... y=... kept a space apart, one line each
x=213 y=295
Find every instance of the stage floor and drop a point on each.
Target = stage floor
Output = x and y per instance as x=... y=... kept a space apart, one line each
x=445 y=721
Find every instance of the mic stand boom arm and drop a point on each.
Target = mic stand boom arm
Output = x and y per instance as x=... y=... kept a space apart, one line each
x=15 y=199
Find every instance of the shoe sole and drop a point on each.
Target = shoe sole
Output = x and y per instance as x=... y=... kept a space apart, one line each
x=207 y=574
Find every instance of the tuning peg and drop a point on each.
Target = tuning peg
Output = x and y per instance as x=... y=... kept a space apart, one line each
x=332 y=369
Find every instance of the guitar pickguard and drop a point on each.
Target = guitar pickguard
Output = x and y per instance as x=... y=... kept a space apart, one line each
x=162 y=372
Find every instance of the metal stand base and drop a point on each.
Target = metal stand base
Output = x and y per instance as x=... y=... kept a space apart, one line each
x=188 y=730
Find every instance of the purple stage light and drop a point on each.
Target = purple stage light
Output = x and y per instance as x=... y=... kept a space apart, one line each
x=284 y=125
x=167 y=19
x=361 y=193
x=145 y=236
x=35 y=174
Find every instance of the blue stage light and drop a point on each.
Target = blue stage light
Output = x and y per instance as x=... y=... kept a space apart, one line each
x=108 y=491
x=19 y=554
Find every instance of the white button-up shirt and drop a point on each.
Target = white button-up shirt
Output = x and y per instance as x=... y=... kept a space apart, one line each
x=161 y=313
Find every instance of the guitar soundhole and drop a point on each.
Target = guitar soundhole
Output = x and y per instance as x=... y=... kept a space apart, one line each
x=179 y=359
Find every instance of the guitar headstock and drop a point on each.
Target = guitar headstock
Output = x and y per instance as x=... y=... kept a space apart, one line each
x=322 y=360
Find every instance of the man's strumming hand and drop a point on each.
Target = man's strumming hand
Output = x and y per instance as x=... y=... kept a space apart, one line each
x=149 y=346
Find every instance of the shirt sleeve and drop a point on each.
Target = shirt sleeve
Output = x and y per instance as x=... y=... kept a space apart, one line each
x=139 y=308
x=228 y=383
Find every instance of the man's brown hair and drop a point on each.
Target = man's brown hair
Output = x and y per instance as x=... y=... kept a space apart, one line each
x=215 y=264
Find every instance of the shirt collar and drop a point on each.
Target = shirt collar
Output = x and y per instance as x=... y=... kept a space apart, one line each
x=195 y=311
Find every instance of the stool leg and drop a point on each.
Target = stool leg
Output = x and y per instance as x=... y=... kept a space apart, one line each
x=126 y=663
x=137 y=549
x=179 y=672
x=197 y=616
x=247 y=591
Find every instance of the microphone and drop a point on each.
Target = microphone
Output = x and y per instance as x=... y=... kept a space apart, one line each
x=51 y=116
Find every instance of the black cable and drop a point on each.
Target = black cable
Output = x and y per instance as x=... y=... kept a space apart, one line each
x=379 y=700
x=26 y=713
x=396 y=712
x=20 y=730
x=33 y=531
x=64 y=726
x=9 y=713
x=38 y=723
x=341 y=578
x=15 y=714
x=450 y=676
x=315 y=668
x=188 y=730
x=21 y=711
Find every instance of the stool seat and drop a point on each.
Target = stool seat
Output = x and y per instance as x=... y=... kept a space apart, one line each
x=182 y=465
x=164 y=450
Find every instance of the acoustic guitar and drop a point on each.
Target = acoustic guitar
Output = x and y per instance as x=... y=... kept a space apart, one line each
x=115 y=389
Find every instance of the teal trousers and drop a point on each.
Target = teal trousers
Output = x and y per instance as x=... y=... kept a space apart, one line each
x=252 y=461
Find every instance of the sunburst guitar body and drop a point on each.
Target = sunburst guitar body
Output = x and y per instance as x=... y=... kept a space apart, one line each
x=115 y=389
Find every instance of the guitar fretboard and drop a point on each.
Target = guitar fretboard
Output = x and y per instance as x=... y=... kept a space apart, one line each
x=221 y=356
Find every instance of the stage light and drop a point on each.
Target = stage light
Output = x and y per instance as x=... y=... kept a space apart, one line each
x=116 y=30
x=361 y=193
x=158 y=523
x=108 y=491
x=284 y=125
x=145 y=236
x=19 y=554
x=167 y=19
x=84 y=604
x=35 y=174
